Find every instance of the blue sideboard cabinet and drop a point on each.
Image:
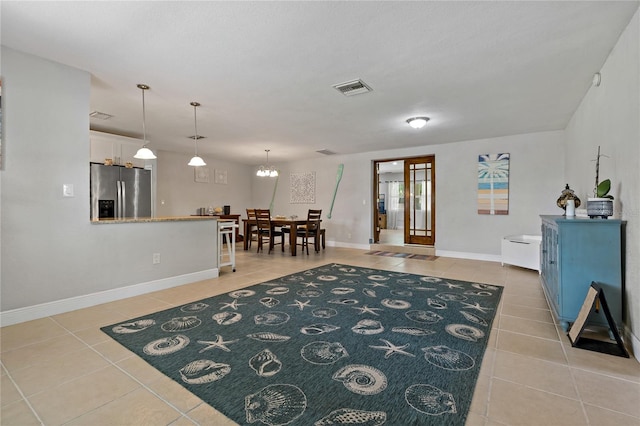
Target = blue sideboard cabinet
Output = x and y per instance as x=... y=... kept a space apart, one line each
x=573 y=253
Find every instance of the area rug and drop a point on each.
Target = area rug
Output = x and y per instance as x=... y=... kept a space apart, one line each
x=402 y=255
x=333 y=345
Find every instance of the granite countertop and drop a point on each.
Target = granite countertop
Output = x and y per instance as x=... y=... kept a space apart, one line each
x=154 y=219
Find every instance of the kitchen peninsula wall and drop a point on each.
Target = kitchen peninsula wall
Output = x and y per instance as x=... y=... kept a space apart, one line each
x=52 y=258
x=178 y=194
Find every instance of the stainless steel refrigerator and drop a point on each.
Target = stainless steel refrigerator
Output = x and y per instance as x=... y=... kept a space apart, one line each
x=118 y=192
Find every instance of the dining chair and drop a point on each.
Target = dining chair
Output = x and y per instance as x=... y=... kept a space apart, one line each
x=310 y=230
x=252 y=228
x=266 y=230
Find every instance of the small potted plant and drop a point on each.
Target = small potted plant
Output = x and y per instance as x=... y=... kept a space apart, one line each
x=601 y=205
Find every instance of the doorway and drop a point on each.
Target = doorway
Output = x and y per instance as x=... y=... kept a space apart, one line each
x=404 y=211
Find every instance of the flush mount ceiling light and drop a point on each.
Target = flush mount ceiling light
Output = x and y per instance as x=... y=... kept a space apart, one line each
x=266 y=171
x=196 y=161
x=418 y=122
x=144 y=153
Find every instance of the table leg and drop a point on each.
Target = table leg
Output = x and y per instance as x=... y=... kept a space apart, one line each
x=293 y=238
x=246 y=235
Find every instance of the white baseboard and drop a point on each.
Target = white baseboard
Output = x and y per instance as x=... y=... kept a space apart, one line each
x=44 y=310
x=633 y=342
x=471 y=256
x=348 y=245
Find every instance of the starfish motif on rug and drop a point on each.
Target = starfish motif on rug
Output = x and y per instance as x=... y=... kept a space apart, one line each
x=219 y=343
x=449 y=285
x=367 y=310
x=234 y=305
x=392 y=349
x=301 y=305
x=314 y=285
x=377 y=285
x=476 y=306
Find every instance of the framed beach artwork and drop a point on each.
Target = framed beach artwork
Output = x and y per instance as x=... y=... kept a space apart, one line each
x=493 y=184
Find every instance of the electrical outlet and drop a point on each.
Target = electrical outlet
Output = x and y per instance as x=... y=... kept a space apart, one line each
x=156 y=258
x=349 y=235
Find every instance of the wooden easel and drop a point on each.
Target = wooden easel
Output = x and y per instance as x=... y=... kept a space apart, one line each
x=595 y=297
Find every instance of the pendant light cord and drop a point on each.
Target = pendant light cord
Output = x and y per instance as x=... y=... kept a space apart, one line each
x=195 y=121
x=144 y=128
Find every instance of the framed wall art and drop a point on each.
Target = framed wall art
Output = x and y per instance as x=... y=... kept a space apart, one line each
x=493 y=184
x=220 y=176
x=302 y=188
x=201 y=174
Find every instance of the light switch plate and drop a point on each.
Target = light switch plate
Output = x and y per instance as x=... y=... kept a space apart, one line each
x=67 y=190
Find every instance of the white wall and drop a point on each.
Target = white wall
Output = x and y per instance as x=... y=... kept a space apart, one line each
x=609 y=116
x=536 y=181
x=50 y=250
x=182 y=195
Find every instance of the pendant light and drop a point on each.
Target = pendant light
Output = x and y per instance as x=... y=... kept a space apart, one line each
x=196 y=161
x=267 y=171
x=144 y=153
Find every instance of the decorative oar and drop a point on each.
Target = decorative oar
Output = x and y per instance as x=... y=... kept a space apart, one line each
x=273 y=197
x=338 y=177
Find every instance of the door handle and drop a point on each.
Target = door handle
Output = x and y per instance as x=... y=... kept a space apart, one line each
x=118 y=212
x=124 y=197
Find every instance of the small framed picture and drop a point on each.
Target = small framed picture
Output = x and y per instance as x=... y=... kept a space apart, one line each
x=201 y=174
x=220 y=177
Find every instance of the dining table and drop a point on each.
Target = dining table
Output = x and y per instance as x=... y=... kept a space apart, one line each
x=277 y=222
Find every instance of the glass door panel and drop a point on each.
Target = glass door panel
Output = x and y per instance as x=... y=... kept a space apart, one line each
x=419 y=200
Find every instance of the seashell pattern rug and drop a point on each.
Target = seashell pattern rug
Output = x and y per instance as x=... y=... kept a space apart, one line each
x=333 y=345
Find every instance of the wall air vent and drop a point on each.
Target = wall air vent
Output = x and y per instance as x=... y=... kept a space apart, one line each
x=352 y=88
x=325 y=152
x=100 y=115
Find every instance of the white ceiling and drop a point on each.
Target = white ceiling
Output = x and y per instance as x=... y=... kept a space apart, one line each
x=263 y=71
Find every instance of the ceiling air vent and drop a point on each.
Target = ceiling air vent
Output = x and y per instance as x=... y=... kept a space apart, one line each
x=325 y=152
x=100 y=115
x=352 y=88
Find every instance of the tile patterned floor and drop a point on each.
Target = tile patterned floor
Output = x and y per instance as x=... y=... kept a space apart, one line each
x=63 y=370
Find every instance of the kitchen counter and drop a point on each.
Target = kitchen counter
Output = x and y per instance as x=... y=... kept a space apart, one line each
x=154 y=219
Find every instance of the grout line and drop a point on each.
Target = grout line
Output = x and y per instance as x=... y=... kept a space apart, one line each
x=144 y=386
x=123 y=371
x=22 y=395
x=541 y=390
x=573 y=378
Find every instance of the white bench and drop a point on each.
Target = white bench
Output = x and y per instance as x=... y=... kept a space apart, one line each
x=522 y=250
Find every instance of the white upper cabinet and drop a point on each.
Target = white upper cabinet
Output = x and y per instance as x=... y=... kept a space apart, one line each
x=120 y=149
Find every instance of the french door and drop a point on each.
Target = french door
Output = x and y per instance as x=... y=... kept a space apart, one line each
x=419 y=200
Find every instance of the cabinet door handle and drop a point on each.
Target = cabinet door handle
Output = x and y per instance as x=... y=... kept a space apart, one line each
x=551 y=262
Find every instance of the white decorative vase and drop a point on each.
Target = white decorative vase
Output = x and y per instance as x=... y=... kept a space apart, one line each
x=599 y=207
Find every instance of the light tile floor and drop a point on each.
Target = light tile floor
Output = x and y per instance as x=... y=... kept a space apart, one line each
x=64 y=370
